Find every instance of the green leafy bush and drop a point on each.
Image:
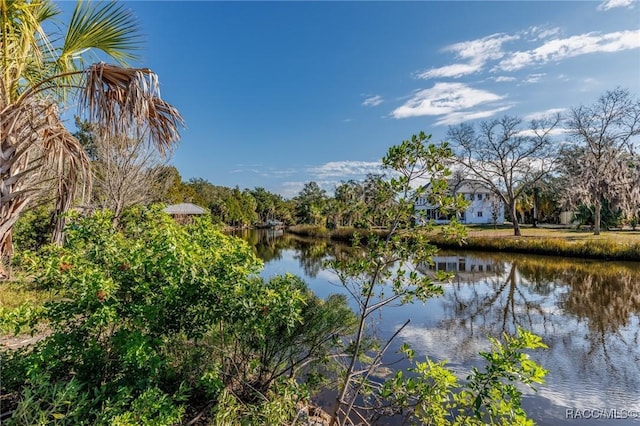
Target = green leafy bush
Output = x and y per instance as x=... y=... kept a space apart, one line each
x=157 y=317
x=490 y=396
x=33 y=229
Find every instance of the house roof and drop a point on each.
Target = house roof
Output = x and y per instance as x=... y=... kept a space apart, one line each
x=466 y=186
x=184 y=208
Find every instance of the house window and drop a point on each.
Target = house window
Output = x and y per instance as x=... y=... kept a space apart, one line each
x=479 y=196
x=471 y=197
x=479 y=214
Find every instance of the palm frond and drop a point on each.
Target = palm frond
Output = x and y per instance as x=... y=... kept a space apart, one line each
x=108 y=27
x=122 y=101
x=25 y=45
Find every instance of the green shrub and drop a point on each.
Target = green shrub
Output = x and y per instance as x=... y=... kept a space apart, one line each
x=155 y=317
x=489 y=396
x=33 y=229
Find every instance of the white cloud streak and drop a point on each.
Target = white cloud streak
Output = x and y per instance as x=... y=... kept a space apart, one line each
x=475 y=53
x=462 y=116
x=256 y=171
x=555 y=132
x=291 y=189
x=545 y=113
x=558 y=49
x=373 y=101
x=327 y=175
x=540 y=33
x=453 y=101
x=533 y=78
x=345 y=169
x=502 y=79
x=611 y=4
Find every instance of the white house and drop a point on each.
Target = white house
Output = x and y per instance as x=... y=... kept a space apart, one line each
x=466 y=268
x=484 y=206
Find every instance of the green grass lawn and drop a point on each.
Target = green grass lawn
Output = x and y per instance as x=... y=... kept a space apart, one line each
x=556 y=241
x=15 y=293
x=624 y=236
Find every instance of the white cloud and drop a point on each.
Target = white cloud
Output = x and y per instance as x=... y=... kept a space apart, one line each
x=536 y=33
x=256 y=171
x=282 y=173
x=542 y=114
x=327 y=175
x=558 y=49
x=453 y=101
x=455 y=70
x=291 y=189
x=476 y=53
x=554 y=132
x=345 y=169
x=610 y=4
x=502 y=79
x=462 y=116
x=533 y=78
x=546 y=33
x=373 y=101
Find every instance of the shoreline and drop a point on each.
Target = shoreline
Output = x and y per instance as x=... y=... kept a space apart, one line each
x=607 y=246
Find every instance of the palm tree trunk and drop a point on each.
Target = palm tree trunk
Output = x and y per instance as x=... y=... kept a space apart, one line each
x=6 y=253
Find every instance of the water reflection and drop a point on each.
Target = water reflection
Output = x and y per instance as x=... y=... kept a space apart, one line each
x=588 y=312
x=311 y=253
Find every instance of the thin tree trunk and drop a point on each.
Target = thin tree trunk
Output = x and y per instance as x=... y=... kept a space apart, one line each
x=514 y=220
x=535 y=207
x=596 y=219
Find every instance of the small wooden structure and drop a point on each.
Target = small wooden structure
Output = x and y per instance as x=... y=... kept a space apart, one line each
x=271 y=224
x=184 y=212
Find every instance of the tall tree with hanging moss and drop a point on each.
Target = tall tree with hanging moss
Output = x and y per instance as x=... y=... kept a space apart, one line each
x=601 y=167
x=40 y=70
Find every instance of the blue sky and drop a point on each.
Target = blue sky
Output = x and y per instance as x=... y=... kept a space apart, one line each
x=276 y=94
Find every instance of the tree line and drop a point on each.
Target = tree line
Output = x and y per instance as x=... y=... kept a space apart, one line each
x=585 y=162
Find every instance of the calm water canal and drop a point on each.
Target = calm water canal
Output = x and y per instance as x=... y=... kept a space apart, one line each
x=587 y=312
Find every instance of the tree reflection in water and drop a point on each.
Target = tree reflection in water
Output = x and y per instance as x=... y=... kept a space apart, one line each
x=588 y=312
